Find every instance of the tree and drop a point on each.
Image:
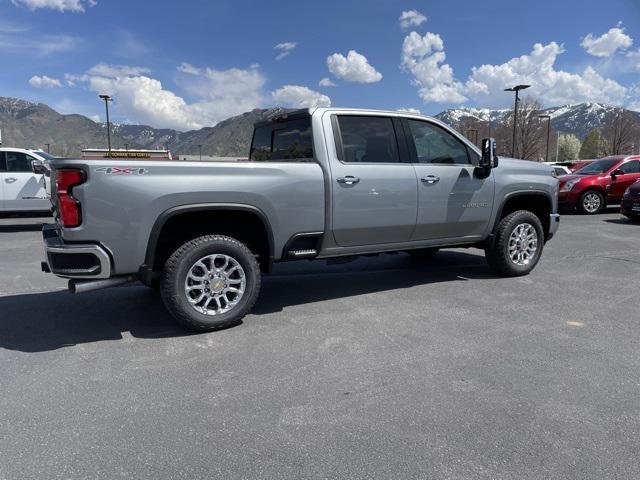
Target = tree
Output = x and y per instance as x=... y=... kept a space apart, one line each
x=568 y=148
x=531 y=133
x=620 y=131
x=594 y=146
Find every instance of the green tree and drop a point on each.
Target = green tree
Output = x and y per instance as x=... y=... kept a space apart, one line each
x=568 y=148
x=594 y=145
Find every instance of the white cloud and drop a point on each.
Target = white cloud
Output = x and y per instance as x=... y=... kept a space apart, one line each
x=299 y=97
x=424 y=57
x=410 y=110
x=554 y=87
x=21 y=40
x=112 y=71
x=72 y=79
x=285 y=49
x=188 y=68
x=218 y=94
x=411 y=18
x=44 y=82
x=353 y=68
x=608 y=43
x=77 y=6
x=326 y=82
x=95 y=118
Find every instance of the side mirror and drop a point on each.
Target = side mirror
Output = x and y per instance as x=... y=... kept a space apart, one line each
x=616 y=172
x=38 y=167
x=489 y=158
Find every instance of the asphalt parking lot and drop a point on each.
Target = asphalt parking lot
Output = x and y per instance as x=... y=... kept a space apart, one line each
x=386 y=367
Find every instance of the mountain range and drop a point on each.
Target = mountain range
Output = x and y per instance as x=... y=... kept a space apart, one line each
x=33 y=125
x=578 y=119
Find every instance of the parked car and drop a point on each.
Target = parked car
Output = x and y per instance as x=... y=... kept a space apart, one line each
x=559 y=170
x=319 y=184
x=578 y=164
x=631 y=202
x=23 y=183
x=597 y=184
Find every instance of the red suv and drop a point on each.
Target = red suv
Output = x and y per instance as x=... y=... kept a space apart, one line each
x=590 y=188
x=631 y=202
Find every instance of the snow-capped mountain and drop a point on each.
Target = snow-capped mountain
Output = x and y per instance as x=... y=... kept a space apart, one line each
x=578 y=119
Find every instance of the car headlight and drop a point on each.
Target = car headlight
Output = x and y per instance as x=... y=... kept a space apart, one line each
x=569 y=185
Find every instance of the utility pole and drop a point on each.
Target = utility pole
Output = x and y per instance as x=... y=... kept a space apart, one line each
x=516 y=89
x=200 y=147
x=107 y=99
x=548 y=118
x=48 y=145
x=557 y=146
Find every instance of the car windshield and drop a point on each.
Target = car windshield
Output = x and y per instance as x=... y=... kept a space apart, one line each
x=599 y=166
x=45 y=155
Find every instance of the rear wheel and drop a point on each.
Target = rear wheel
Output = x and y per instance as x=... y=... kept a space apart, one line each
x=210 y=282
x=591 y=202
x=518 y=244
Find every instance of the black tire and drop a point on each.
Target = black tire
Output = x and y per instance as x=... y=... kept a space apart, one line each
x=172 y=282
x=498 y=255
x=423 y=253
x=582 y=204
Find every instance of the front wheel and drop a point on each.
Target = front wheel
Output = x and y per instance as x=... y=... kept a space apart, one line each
x=518 y=244
x=591 y=202
x=210 y=282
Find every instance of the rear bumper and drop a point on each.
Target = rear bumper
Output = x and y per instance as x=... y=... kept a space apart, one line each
x=554 y=225
x=71 y=260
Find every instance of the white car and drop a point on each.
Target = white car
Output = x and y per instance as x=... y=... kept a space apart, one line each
x=21 y=189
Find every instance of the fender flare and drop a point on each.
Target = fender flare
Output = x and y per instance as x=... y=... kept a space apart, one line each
x=152 y=243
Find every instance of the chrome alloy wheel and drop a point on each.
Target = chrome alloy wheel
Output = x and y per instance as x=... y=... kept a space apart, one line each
x=591 y=202
x=215 y=284
x=523 y=244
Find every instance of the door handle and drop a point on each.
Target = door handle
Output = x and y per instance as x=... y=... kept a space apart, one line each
x=430 y=179
x=348 y=180
x=10 y=179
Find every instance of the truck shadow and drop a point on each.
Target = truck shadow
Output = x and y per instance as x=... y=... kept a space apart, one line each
x=39 y=322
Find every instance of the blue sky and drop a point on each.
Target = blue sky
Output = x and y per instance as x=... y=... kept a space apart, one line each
x=192 y=63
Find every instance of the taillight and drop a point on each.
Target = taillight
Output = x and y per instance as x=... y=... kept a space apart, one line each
x=68 y=207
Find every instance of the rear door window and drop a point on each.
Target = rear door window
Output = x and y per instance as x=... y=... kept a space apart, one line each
x=289 y=140
x=3 y=162
x=367 y=139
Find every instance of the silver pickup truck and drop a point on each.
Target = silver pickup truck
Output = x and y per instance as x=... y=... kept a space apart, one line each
x=319 y=184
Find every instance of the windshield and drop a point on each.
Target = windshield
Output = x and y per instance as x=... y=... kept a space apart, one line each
x=45 y=155
x=599 y=166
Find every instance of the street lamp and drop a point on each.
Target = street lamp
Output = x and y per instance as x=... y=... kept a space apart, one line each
x=473 y=131
x=107 y=99
x=548 y=118
x=516 y=89
x=200 y=147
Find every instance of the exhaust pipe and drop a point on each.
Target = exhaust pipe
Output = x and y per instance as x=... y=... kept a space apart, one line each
x=82 y=286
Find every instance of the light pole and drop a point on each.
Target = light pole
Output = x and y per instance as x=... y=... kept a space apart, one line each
x=516 y=89
x=475 y=135
x=200 y=147
x=548 y=118
x=48 y=145
x=557 y=146
x=126 y=147
x=107 y=99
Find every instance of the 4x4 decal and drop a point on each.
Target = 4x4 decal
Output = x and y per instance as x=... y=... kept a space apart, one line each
x=122 y=170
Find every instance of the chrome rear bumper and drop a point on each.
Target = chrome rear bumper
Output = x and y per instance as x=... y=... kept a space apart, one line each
x=70 y=260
